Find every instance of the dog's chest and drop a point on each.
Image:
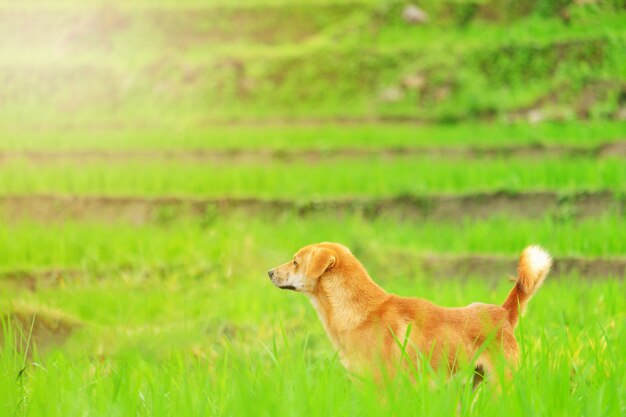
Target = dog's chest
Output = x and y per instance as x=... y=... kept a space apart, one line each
x=330 y=331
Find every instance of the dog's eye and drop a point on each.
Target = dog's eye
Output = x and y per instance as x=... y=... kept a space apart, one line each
x=295 y=263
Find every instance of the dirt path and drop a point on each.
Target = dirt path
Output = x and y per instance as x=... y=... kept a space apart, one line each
x=613 y=149
x=138 y=210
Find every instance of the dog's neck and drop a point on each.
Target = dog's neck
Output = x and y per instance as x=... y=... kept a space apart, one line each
x=343 y=303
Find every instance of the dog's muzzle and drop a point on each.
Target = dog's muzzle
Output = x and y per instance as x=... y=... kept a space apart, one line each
x=270 y=273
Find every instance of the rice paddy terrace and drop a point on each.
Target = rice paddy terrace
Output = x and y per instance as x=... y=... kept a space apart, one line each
x=156 y=158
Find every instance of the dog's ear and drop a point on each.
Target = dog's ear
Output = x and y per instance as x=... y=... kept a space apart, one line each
x=321 y=260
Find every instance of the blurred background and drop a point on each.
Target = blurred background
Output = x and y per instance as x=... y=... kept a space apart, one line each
x=158 y=157
x=188 y=65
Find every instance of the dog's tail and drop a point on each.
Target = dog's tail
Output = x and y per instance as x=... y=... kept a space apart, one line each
x=534 y=265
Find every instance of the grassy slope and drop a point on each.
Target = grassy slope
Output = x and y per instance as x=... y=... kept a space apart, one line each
x=345 y=58
x=217 y=243
x=315 y=136
x=367 y=176
x=209 y=335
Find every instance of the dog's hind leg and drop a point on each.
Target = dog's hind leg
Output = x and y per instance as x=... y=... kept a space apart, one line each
x=488 y=371
x=479 y=376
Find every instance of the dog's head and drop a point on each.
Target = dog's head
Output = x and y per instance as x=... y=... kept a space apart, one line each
x=308 y=266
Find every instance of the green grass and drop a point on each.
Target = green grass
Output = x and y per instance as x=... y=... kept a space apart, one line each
x=215 y=245
x=282 y=364
x=302 y=181
x=534 y=30
x=317 y=136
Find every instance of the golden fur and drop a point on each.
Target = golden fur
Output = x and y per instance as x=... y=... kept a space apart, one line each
x=368 y=326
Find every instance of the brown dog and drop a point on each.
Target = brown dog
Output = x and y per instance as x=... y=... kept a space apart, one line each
x=370 y=327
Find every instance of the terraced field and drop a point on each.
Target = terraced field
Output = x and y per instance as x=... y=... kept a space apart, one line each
x=146 y=187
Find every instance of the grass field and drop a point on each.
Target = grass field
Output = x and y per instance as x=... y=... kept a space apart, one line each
x=368 y=176
x=270 y=356
x=217 y=242
x=324 y=136
x=123 y=292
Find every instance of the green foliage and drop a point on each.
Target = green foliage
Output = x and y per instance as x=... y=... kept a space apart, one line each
x=551 y=7
x=323 y=60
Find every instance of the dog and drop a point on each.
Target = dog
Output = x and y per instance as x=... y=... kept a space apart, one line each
x=374 y=331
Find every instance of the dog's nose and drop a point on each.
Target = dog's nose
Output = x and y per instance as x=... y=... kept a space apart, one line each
x=270 y=273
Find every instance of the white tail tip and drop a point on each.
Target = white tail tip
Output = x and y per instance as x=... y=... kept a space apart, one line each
x=535 y=263
x=539 y=261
